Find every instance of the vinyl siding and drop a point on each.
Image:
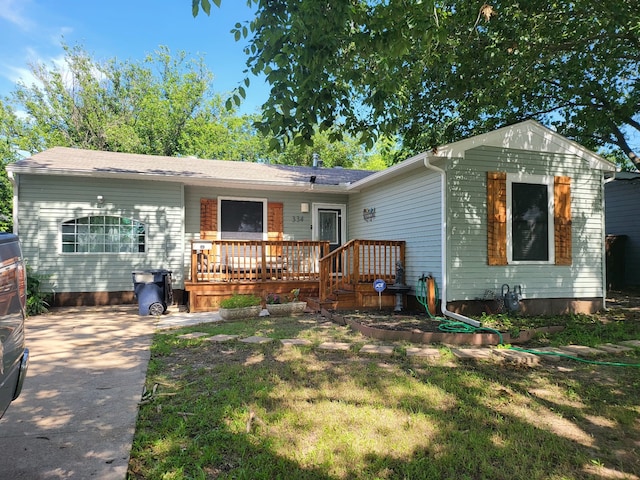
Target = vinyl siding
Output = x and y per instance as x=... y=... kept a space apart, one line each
x=469 y=274
x=622 y=199
x=406 y=208
x=47 y=201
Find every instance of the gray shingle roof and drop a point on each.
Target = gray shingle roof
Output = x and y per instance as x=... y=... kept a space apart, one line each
x=190 y=171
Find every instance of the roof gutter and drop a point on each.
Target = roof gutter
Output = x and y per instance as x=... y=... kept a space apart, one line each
x=443 y=256
x=15 y=183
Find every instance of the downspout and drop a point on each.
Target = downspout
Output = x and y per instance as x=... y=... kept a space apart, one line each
x=443 y=241
x=15 y=183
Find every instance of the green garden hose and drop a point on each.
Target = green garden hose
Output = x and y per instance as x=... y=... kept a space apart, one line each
x=572 y=357
x=446 y=325
x=421 y=294
x=451 y=326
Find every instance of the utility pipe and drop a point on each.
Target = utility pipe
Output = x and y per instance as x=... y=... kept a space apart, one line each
x=15 y=182
x=443 y=256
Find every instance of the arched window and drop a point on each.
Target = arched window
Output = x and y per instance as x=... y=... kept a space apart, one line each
x=103 y=234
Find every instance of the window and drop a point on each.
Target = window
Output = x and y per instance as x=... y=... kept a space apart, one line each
x=528 y=213
x=242 y=219
x=103 y=234
x=528 y=219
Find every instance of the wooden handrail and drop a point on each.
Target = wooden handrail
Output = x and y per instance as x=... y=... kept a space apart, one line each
x=359 y=261
x=256 y=260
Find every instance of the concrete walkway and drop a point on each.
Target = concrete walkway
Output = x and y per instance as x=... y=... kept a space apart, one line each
x=76 y=416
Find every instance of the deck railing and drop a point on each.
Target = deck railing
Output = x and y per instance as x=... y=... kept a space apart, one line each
x=360 y=261
x=255 y=260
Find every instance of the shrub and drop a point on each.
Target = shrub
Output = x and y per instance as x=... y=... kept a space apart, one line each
x=240 y=301
x=36 y=300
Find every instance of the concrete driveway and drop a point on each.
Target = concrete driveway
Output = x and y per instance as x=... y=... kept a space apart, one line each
x=75 y=418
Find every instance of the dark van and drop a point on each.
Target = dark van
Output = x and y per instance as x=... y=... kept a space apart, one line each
x=14 y=357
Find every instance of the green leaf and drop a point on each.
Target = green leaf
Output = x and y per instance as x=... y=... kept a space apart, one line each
x=206 y=6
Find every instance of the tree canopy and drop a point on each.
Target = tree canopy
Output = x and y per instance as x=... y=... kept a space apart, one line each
x=435 y=72
x=163 y=105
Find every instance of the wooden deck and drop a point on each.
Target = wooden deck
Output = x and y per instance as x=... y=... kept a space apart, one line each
x=341 y=279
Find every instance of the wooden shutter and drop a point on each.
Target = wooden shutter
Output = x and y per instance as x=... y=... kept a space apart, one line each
x=562 y=220
x=497 y=218
x=275 y=224
x=209 y=218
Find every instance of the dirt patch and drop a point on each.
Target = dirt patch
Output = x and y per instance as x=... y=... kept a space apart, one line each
x=628 y=299
x=407 y=322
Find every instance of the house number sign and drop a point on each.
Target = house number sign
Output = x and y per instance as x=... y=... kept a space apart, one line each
x=369 y=214
x=203 y=245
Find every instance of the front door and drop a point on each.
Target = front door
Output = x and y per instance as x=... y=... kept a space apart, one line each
x=329 y=222
x=329 y=225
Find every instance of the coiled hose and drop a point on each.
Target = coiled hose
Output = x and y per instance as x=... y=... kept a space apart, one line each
x=450 y=326
x=447 y=325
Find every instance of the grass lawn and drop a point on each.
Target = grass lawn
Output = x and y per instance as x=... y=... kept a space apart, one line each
x=246 y=411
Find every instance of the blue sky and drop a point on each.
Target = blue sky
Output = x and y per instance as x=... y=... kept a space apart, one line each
x=33 y=31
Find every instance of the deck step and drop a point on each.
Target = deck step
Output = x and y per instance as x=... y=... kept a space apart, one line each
x=338 y=300
x=317 y=305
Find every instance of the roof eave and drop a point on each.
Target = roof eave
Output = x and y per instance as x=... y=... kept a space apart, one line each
x=192 y=181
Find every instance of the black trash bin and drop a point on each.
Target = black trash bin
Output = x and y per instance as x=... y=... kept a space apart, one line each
x=153 y=291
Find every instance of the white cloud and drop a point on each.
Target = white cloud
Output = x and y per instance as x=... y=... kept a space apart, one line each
x=23 y=72
x=12 y=11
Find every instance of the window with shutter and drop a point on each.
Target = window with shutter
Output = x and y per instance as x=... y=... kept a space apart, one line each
x=528 y=219
x=240 y=219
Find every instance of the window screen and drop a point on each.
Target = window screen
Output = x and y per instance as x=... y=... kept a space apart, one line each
x=243 y=218
x=530 y=217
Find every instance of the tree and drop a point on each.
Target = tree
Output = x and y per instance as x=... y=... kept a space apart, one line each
x=126 y=107
x=435 y=72
x=10 y=129
x=347 y=153
x=114 y=106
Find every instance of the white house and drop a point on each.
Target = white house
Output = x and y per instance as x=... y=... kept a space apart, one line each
x=521 y=205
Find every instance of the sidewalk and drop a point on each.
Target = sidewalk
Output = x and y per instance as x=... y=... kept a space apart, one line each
x=76 y=416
